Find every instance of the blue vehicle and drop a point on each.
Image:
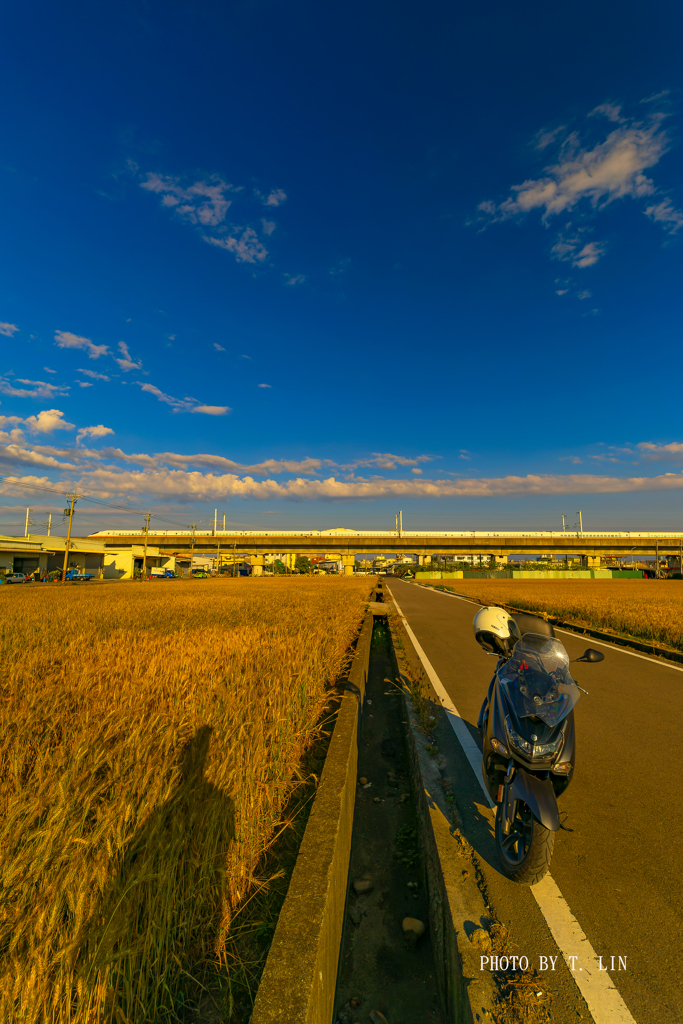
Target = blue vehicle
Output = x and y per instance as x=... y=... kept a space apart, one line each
x=73 y=575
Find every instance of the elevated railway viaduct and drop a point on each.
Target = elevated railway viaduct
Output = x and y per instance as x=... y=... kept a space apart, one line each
x=349 y=543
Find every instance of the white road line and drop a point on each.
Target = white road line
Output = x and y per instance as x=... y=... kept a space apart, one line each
x=569 y=632
x=604 y=1001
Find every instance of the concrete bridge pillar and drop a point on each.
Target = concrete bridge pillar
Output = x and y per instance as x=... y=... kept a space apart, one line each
x=257 y=562
x=590 y=561
x=420 y=559
x=349 y=563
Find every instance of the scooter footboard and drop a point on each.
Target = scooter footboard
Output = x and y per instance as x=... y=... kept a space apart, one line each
x=539 y=796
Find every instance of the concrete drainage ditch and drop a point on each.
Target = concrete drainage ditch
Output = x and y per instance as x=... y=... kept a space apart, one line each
x=387 y=969
x=382 y=910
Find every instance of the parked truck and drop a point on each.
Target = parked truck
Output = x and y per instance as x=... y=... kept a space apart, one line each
x=161 y=574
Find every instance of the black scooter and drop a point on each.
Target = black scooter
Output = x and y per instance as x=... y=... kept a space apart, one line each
x=527 y=726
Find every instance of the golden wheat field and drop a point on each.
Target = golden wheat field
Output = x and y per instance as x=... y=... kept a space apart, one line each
x=650 y=609
x=150 y=735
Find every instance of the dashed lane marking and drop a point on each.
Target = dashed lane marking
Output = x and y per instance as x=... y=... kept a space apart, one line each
x=604 y=1001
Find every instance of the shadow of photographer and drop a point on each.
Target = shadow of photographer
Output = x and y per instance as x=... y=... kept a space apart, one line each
x=163 y=914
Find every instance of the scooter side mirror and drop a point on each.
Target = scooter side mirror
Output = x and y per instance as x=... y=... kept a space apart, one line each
x=591 y=655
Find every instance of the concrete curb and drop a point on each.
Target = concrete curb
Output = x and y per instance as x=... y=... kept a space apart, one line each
x=299 y=980
x=456 y=905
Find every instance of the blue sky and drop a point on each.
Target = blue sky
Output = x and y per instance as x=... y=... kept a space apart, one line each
x=311 y=264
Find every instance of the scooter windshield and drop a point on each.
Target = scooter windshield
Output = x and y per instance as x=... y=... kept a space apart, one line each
x=536 y=679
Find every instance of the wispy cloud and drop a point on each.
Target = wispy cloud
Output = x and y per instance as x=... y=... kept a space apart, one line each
x=92 y=373
x=126 y=362
x=65 y=339
x=191 y=405
x=37 y=388
x=672 y=451
x=212 y=410
x=247 y=248
x=264 y=385
x=573 y=250
x=8 y=330
x=48 y=370
x=665 y=213
x=294 y=279
x=275 y=198
x=591 y=177
x=203 y=202
x=219 y=348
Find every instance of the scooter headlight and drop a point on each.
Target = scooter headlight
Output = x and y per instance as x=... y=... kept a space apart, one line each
x=534 y=751
x=499 y=747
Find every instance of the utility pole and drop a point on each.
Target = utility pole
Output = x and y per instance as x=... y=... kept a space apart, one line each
x=563 y=524
x=580 y=520
x=218 y=560
x=144 y=557
x=73 y=498
x=215 y=521
x=396 y=517
x=26 y=524
x=400 y=524
x=49 y=523
x=192 y=550
x=234 y=556
x=224 y=522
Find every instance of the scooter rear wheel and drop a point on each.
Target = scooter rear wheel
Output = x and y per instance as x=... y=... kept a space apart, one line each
x=526 y=852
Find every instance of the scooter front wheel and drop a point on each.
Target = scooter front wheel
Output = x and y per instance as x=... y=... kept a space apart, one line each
x=525 y=852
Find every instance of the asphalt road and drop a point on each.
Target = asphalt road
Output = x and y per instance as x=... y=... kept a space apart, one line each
x=621 y=869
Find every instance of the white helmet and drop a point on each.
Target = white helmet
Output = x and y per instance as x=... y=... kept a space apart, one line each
x=496 y=631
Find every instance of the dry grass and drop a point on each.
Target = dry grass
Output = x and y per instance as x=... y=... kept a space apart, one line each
x=150 y=737
x=646 y=609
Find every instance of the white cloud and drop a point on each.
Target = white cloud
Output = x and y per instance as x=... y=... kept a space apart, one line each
x=84 y=384
x=583 y=295
x=10 y=421
x=37 y=389
x=93 y=374
x=666 y=214
x=267 y=226
x=204 y=202
x=15 y=454
x=8 y=330
x=264 y=385
x=562 y=291
x=416 y=469
x=47 y=421
x=295 y=279
x=65 y=339
x=48 y=370
x=127 y=362
x=247 y=248
x=98 y=431
x=275 y=198
x=219 y=348
x=177 y=484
